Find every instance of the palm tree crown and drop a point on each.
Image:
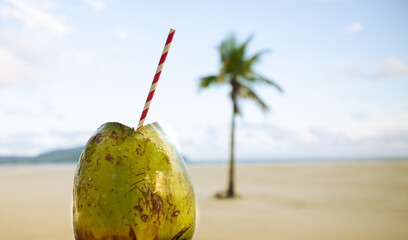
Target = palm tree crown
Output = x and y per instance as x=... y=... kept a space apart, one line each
x=237 y=71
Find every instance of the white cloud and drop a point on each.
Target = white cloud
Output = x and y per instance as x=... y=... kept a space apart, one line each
x=96 y=4
x=23 y=58
x=42 y=4
x=83 y=58
x=34 y=17
x=35 y=49
x=32 y=143
x=306 y=137
x=354 y=28
x=121 y=34
x=15 y=71
x=394 y=67
x=387 y=143
x=207 y=142
x=269 y=141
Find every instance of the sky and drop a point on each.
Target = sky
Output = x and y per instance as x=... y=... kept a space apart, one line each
x=67 y=67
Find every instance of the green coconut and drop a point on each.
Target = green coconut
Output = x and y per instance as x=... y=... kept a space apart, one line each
x=132 y=185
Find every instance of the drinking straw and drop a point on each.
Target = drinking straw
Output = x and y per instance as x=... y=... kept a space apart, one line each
x=156 y=78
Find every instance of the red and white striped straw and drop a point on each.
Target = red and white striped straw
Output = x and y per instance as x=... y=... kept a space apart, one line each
x=156 y=78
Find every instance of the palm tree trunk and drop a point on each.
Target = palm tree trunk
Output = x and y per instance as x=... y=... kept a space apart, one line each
x=231 y=183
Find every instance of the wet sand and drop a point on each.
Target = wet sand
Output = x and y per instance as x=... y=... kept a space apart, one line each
x=355 y=200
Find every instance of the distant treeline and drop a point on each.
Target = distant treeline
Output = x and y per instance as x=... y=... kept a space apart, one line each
x=57 y=156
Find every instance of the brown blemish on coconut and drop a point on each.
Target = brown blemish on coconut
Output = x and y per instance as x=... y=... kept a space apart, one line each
x=114 y=135
x=138 y=208
x=167 y=160
x=176 y=213
x=108 y=157
x=144 y=218
x=132 y=234
x=97 y=138
x=157 y=203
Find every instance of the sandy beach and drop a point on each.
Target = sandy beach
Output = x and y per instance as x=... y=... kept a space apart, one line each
x=350 y=200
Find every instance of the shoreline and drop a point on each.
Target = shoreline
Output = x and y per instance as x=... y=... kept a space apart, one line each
x=219 y=162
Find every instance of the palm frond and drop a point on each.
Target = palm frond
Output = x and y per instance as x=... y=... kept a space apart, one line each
x=246 y=92
x=256 y=78
x=240 y=53
x=208 y=81
x=248 y=63
x=227 y=47
x=255 y=57
x=221 y=74
x=233 y=55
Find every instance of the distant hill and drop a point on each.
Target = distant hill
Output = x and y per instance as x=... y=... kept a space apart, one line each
x=57 y=156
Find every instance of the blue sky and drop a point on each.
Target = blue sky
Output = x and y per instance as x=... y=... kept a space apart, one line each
x=66 y=67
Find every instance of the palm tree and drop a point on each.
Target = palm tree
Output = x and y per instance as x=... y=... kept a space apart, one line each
x=237 y=71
